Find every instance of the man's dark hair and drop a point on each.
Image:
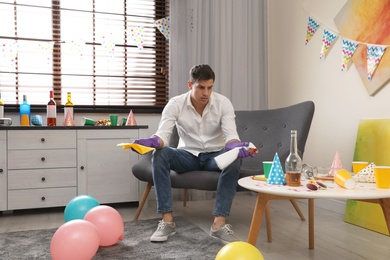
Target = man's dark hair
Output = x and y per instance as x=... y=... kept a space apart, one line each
x=201 y=72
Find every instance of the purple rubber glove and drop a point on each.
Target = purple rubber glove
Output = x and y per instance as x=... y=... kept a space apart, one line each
x=153 y=142
x=232 y=145
x=242 y=153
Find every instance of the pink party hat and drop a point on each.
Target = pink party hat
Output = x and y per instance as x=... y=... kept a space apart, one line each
x=276 y=174
x=68 y=121
x=130 y=119
x=336 y=165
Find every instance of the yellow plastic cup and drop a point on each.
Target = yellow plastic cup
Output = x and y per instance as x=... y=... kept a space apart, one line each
x=344 y=179
x=357 y=166
x=267 y=168
x=382 y=177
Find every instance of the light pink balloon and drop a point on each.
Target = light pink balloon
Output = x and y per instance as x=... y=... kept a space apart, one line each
x=76 y=239
x=108 y=222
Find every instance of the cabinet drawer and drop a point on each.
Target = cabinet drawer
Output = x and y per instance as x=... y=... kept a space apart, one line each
x=40 y=198
x=45 y=139
x=37 y=159
x=42 y=178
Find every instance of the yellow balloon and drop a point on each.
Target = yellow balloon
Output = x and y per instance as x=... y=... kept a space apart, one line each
x=239 y=251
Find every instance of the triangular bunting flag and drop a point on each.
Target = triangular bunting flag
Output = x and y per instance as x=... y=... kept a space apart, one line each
x=136 y=35
x=76 y=46
x=312 y=26
x=327 y=41
x=276 y=174
x=108 y=43
x=163 y=25
x=348 y=49
x=374 y=56
x=45 y=49
x=366 y=175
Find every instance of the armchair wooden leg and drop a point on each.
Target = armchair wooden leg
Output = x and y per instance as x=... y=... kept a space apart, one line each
x=143 y=200
x=294 y=203
x=268 y=222
x=185 y=196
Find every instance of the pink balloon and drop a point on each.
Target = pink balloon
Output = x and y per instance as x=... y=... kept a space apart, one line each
x=76 y=239
x=108 y=222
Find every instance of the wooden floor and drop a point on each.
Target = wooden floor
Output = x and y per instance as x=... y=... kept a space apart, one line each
x=334 y=239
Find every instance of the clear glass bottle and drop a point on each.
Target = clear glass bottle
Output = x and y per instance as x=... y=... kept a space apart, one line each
x=24 y=111
x=68 y=112
x=51 y=111
x=293 y=164
x=68 y=107
x=1 y=107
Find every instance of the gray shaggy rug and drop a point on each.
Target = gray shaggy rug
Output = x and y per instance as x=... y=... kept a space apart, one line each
x=189 y=242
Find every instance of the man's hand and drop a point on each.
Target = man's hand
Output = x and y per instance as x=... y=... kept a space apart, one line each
x=242 y=153
x=153 y=142
x=232 y=145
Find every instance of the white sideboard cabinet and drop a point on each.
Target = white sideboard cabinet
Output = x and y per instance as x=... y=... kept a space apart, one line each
x=44 y=167
x=3 y=170
x=104 y=169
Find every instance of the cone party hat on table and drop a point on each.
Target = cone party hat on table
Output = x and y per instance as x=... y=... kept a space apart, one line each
x=366 y=174
x=276 y=174
x=131 y=119
x=336 y=165
x=68 y=121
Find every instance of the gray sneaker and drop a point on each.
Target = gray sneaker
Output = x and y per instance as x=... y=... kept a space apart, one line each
x=164 y=230
x=224 y=233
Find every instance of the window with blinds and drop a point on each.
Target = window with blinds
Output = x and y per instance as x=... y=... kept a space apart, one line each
x=108 y=54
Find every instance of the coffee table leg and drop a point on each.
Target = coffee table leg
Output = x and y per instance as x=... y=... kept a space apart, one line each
x=385 y=204
x=257 y=218
x=311 y=223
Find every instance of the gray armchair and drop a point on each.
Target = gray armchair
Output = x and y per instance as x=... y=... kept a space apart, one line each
x=269 y=130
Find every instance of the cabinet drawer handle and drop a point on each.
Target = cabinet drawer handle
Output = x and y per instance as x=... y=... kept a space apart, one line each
x=43 y=159
x=82 y=167
x=42 y=139
x=1 y=170
x=43 y=198
x=43 y=179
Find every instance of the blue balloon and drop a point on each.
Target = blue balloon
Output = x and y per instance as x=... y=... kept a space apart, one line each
x=79 y=206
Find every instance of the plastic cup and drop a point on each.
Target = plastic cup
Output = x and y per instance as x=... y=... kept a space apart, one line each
x=89 y=121
x=114 y=120
x=357 y=166
x=344 y=179
x=382 y=177
x=267 y=168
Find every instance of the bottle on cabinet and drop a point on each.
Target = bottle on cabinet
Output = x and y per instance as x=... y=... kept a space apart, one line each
x=68 y=112
x=293 y=164
x=51 y=111
x=24 y=110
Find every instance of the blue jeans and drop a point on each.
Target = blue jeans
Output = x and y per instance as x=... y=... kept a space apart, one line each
x=180 y=161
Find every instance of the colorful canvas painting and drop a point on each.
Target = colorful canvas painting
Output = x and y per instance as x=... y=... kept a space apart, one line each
x=367 y=22
x=372 y=145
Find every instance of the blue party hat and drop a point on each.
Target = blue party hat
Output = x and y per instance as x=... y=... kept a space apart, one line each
x=276 y=174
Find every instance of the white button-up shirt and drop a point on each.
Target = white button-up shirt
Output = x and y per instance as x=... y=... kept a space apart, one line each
x=207 y=133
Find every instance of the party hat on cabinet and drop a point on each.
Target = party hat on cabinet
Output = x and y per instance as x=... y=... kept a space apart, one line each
x=68 y=121
x=276 y=174
x=131 y=119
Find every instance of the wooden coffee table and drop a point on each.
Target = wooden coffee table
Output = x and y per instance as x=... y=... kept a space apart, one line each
x=363 y=191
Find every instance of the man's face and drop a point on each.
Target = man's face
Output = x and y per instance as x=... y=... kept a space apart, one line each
x=201 y=91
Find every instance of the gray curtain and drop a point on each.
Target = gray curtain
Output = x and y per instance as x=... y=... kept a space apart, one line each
x=231 y=36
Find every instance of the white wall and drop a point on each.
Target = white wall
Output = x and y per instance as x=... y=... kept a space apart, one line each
x=297 y=74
